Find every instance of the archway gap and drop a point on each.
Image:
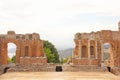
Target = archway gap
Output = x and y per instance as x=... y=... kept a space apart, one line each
x=11 y=52
x=107 y=54
x=106 y=51
x=83 y=52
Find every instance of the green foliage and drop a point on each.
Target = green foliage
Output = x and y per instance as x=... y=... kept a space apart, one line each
x=51 y=52
x=65 y=60
x=50 y=56
x=13 y=59
x=9 y=60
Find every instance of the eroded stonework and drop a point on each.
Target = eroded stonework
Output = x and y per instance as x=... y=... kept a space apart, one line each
x=29 y=48
x=89 y=48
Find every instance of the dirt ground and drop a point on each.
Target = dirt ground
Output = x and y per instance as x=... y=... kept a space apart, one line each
x=59 y=76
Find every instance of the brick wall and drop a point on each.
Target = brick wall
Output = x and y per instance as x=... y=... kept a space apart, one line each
x=33 y=60
x=116 y=70
x=85 y=61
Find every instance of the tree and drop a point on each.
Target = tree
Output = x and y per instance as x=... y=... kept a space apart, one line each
x=9 y=60
x=50 y=56
x=13 y=59
x=51 y=52
x=66 y=60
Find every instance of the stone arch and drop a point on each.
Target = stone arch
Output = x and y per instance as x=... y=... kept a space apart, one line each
x=26 y=50
x=24 y=43
x=83 y=51
x=11 y=51
x=17 y=50
x=12 y=46
x=33 y=51
x=92 y=48
x=92 y=52
x=106 y=51
x=110 y=62
x=97 y=39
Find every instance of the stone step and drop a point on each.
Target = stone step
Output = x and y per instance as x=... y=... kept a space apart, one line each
x=52 y=68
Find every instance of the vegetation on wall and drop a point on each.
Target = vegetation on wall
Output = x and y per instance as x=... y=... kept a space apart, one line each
x=66 y=60
x=51 y=52
x=11 y=60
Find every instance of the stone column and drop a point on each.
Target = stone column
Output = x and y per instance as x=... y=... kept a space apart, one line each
x=5 y=55
x=102 y=63
x=17 y=55
x=96 y=47
x=88 y=49
x=101 y=51
x=112 y=51
x=30 y=50
x=80 y=49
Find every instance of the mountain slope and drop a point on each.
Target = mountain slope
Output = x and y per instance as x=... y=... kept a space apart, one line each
x=65 y=53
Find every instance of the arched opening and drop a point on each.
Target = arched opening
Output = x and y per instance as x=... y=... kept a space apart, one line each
x=106 y=51
x=34 y=51
x=11 y=51
x=5 y=69
x=92 y=52
x=84 y=52
x=106 y=54
x=26 y=51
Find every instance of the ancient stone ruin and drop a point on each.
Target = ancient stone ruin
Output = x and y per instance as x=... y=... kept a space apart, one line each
x=29 y=48
x=88 y=53
x=89 y=48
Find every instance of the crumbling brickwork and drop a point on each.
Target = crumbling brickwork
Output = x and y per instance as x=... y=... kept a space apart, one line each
x=29 y=48
x=89 y=48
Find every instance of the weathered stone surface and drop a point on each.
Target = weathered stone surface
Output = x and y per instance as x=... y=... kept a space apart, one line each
x=29 y=48
x=58 y=76
x=116 y=70
x=89 y=48
x=34 y=60
x=36 y=67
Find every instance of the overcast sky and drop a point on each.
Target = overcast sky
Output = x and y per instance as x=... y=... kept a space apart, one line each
x=58 y=20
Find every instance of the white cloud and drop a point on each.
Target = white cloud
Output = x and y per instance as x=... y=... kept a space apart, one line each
x=11 y=49
x=55 y=20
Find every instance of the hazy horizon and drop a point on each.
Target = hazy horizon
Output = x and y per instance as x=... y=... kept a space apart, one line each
x=58 y=20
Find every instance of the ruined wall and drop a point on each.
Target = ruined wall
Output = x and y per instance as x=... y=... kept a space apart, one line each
x=89 y=48
x=29 y=46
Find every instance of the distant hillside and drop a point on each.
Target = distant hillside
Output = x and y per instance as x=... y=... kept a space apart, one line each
x=65 y=53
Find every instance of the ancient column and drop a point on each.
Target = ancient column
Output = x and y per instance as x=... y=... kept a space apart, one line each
x=88 y=49
x=101 y=50
x=96 y=47
x=102 y=63
x=80 y=49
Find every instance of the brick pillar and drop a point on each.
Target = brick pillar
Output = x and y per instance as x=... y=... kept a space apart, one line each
x=41 y=50
x=38 y=51
x=17 y=55
x=101 y=51
x=30 y=51
x=80 y=49
x=22 y=50
x=102 y=64
x=5 y=55
x=88 y=49
x=112 y=56
x=96 y=47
